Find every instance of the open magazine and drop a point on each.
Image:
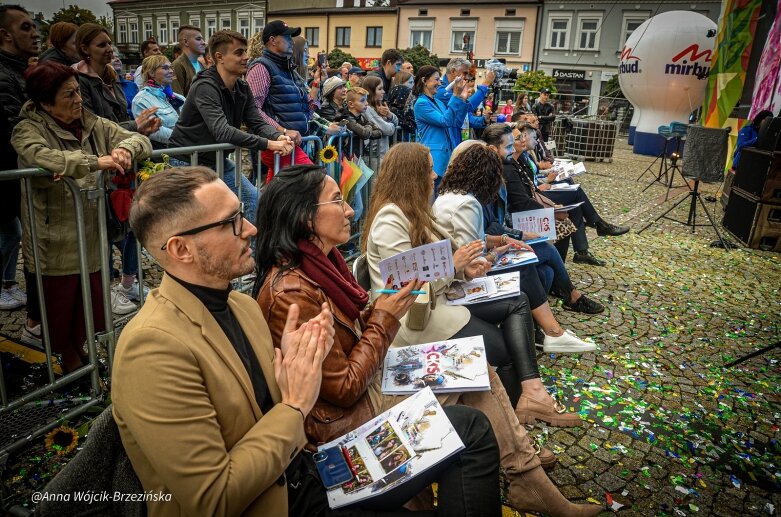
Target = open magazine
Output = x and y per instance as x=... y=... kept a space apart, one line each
x=428 y=262
x=514 y=258
x=394 y=447
x=566 y=169
x=452 y=365
x=488 y=288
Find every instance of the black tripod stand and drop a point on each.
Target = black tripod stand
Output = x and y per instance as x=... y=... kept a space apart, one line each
x=662 y=167
x=694 y=197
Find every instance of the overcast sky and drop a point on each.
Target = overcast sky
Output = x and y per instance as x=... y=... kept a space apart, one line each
x=49 y=7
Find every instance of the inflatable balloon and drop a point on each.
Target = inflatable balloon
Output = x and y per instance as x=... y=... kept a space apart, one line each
x=663 y=70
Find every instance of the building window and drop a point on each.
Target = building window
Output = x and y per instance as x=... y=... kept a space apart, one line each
x=312 y=35
x=465 y=12
x=211 y=27
x=244 y=27
x=422 y=12
x=225 y=24
x=508 y=42
x=343 y=36
x=559 y=32
x=631 y=23
x=195 y=21
x=509 y=12
x=457 y=34
x=162 y=33
x=147 y=31
x=133 y=32
x=587 y=39
x=257 y=23
x=122 y=33
x=374 y=37
x=174 y=31
x=420 y=37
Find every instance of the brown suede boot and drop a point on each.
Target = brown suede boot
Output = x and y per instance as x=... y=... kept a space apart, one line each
x=530 y=410
x=547 y=458
x=533 y=491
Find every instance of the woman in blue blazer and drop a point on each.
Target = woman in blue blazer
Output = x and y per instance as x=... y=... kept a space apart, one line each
x=434 y=118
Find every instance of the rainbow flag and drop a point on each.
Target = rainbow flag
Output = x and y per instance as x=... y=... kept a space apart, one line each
x=734 y=40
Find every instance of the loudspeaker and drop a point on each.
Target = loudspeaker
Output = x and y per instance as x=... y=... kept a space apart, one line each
x=770 y=135
x=755 y=224
x=759 y=174
x=706 y=153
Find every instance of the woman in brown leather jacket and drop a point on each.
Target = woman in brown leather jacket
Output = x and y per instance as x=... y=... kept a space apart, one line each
x=302 y=217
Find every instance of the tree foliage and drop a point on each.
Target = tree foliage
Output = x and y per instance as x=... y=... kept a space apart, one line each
x=613 y=88
x=337 y=56
x=74 y=14
x=420 y=56
x=534 y=81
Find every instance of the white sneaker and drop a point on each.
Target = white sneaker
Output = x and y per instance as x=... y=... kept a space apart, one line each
x=132 y=292
x=567 y=343
x=32 y=336
x=8 y=302
x=18 y=293
x=119 y=302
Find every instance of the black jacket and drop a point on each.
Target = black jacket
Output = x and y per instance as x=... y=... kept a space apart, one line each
x=329 y=111
x=97 y=98
x=361 y=129
x=12 y=96
x=213 y=114
x=544 y=113
x=56 y=55
x=520 y=196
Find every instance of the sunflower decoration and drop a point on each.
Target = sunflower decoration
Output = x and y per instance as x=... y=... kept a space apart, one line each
x=62 y=440
x=329 y=154
x=150 y=168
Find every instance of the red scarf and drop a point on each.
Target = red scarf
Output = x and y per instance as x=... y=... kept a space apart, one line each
x=333 y=275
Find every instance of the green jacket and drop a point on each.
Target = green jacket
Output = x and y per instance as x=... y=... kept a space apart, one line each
x=41 y=143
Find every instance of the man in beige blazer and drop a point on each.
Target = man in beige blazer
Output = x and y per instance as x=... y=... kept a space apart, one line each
x=187 y=66
x=212 y=420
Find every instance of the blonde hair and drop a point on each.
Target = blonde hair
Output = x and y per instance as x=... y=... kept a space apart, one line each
x=255 y=45
x=150 y=64
x=354 y=94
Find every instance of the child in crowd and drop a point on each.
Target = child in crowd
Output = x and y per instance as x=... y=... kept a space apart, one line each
x=353 y=113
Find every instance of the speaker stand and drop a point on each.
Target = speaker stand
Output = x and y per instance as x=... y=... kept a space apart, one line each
x=694 y=197
x=662 y=167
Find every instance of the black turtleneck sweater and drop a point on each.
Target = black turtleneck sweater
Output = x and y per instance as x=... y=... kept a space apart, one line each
x=216 y=301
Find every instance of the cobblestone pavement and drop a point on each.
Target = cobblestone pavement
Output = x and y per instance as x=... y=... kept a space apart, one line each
x=669 y=430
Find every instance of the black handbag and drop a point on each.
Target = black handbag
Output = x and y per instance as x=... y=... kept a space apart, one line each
x=305 y=492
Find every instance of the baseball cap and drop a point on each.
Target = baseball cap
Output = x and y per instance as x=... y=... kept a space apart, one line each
x=544 y=90
x=331 y=84
x=279 y=28
x=356 y=70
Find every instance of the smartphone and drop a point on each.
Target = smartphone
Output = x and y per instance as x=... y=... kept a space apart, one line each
x=321 y=60
x=332 y=467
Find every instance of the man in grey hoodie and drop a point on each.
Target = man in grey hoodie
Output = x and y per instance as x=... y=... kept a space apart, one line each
x=218 y=103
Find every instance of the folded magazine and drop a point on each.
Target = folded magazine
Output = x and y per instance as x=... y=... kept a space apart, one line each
x=394 y=447
x=453 y=365
x=479 y=290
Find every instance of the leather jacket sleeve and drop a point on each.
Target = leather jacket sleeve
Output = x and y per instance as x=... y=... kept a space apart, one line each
x=352 y=363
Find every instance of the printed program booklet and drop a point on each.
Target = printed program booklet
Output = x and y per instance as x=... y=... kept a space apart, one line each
x=541 y=221
x=428 y=262
x=446 y=366
x=489 y=288
x=514 y=258
x=406 y=440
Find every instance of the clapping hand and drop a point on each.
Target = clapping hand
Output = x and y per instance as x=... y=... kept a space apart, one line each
x=298 y=363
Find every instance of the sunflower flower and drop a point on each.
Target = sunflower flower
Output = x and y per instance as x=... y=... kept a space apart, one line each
x=62 y=440
x=329 y=154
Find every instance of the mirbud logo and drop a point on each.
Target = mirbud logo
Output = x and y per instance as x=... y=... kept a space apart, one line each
x=684 y=63
x=625 y=65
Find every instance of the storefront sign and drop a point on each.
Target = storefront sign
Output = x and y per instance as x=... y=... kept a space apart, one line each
x=574 y=75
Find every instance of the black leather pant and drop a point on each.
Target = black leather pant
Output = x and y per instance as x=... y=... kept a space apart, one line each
x=510 y=346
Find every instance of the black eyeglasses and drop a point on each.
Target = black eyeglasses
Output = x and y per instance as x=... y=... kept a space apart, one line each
x=236 y=221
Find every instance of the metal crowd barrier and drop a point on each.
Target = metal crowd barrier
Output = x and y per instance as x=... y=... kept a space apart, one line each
x=23 y=417
x=9 y=409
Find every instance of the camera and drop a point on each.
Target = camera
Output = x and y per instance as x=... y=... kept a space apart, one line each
x=501 y=70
